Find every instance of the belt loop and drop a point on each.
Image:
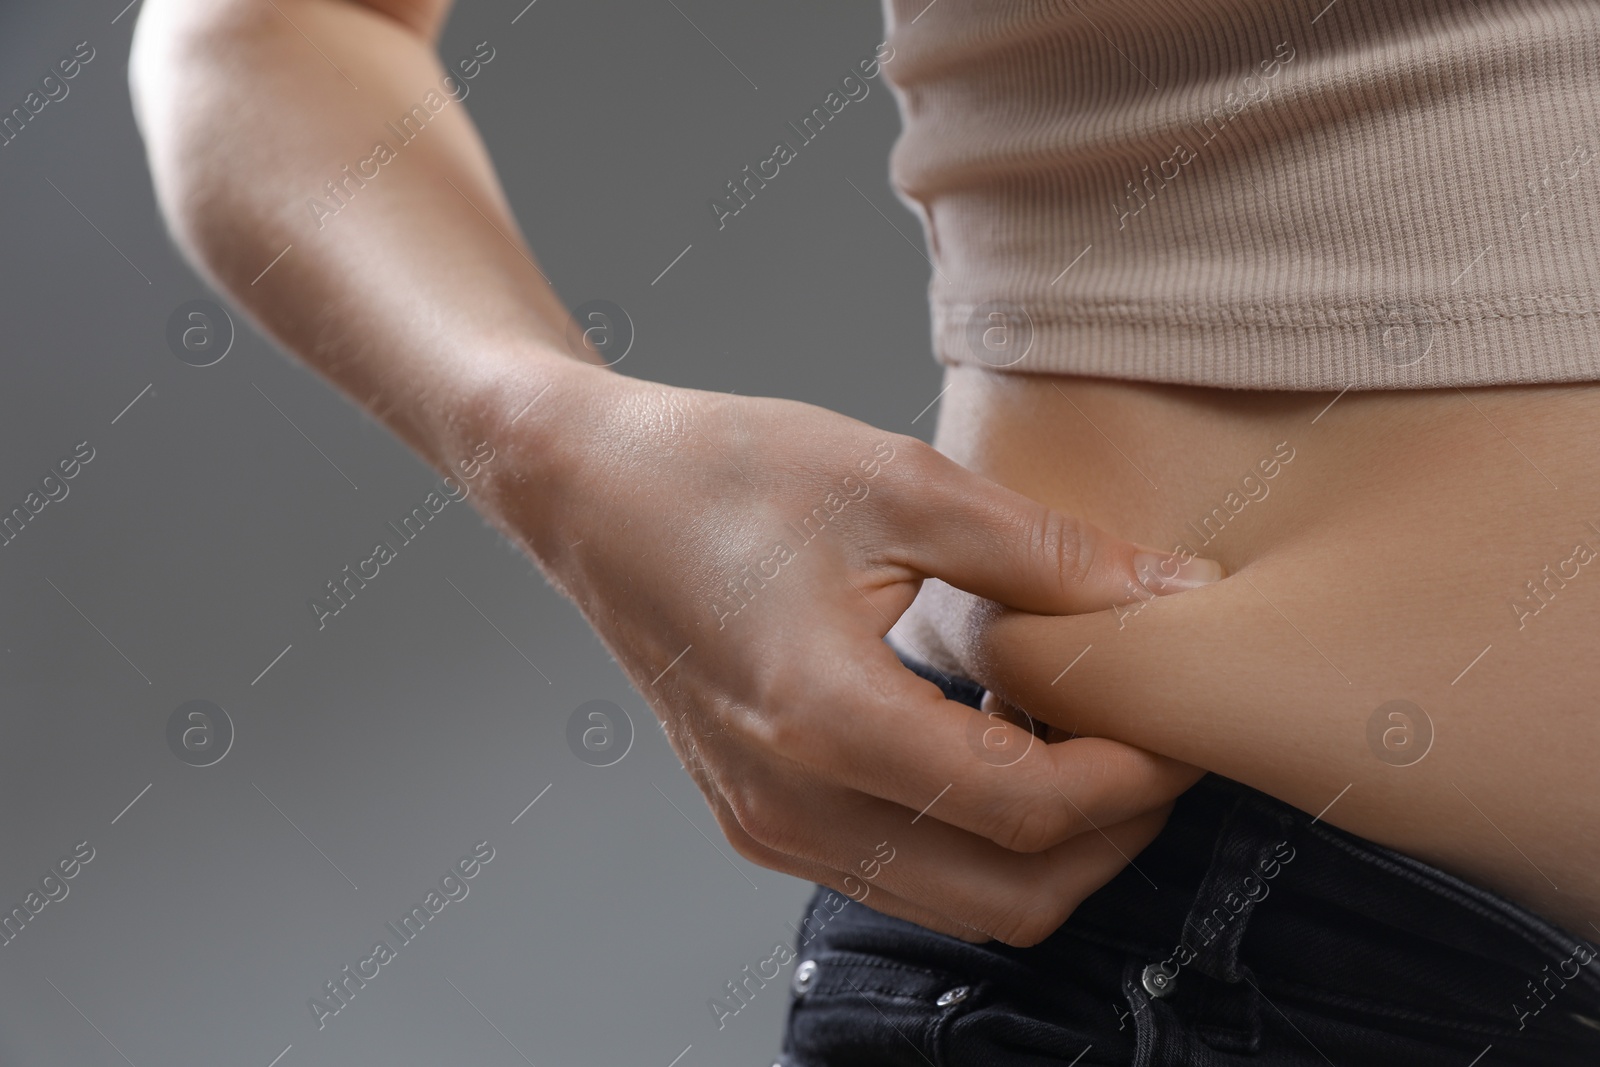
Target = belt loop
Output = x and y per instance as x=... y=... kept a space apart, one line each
x=1252 y=849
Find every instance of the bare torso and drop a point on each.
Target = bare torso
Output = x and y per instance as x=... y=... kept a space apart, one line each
x=1379 y=549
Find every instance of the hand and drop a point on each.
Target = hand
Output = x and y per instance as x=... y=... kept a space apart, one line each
x=743 y=558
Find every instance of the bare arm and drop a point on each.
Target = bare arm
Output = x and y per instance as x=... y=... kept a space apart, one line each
x=419 y=296
x=741 y=557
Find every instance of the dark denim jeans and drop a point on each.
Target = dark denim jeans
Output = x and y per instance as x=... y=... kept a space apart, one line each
x=1248 y=934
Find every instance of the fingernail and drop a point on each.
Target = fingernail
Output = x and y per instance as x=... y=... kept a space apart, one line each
x=1166 y=573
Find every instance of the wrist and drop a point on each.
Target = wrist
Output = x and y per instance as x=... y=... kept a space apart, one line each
x=532 y=415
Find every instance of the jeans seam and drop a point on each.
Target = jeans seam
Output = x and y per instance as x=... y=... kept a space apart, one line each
x=877 y=963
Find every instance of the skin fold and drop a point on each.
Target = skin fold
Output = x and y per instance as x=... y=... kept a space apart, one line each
x=1378 y=564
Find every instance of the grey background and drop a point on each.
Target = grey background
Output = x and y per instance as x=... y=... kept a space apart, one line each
x=184 y=555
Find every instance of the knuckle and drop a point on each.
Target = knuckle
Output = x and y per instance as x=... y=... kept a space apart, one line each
x=912 y=450
x=1020 y=928
x=781 y=680
x=778 y=730
x=759 y=816
x=1037 y=815
x=741 y=842
x=753 y=851
x=1026 y=825
x=1062 y=544
x=1033 y=919
x=775 y=721
x=915 y=463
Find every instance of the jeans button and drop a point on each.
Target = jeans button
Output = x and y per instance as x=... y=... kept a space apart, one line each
x=1157 y=982
x=952 y=996
x=805 y=976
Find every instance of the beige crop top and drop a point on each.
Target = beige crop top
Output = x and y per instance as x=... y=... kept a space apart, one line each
x=1261 y=194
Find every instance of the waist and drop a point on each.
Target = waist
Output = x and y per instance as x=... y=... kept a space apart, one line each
x=1413 y=596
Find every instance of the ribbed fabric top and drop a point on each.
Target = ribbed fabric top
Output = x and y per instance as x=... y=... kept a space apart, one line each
x=1261 y=194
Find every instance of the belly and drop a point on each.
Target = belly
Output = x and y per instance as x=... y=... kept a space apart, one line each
x=1409 y=624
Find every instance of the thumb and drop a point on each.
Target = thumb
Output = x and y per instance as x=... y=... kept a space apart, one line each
x=998 y=544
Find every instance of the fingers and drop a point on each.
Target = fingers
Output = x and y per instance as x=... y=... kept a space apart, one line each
x=995 y=708
x=884 y=731
x=998 y=544
x=919 y=865
x=855 y=886
x=854 y=881
x=998 y=710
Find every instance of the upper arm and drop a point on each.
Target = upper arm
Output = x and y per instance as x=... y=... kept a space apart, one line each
x=243 y=103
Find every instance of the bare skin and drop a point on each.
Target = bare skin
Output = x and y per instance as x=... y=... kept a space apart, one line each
x=651 y=506
x=1375 y=565
x=1383 y=561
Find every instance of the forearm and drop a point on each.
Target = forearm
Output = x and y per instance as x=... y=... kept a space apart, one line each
x=740 y=556
x=409 y=286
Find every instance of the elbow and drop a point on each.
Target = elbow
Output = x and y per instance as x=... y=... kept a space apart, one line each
x=158 y=68
x=180 y=50
x=165 y=36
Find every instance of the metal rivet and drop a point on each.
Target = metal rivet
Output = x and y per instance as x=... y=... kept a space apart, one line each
x=1157 y=982
x=952 y=996
x=805 y=976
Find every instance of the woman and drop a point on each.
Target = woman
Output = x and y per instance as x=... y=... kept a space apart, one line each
x=1236 y=282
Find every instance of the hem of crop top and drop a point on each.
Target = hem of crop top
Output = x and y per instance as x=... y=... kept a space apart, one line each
x=1400 y=347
